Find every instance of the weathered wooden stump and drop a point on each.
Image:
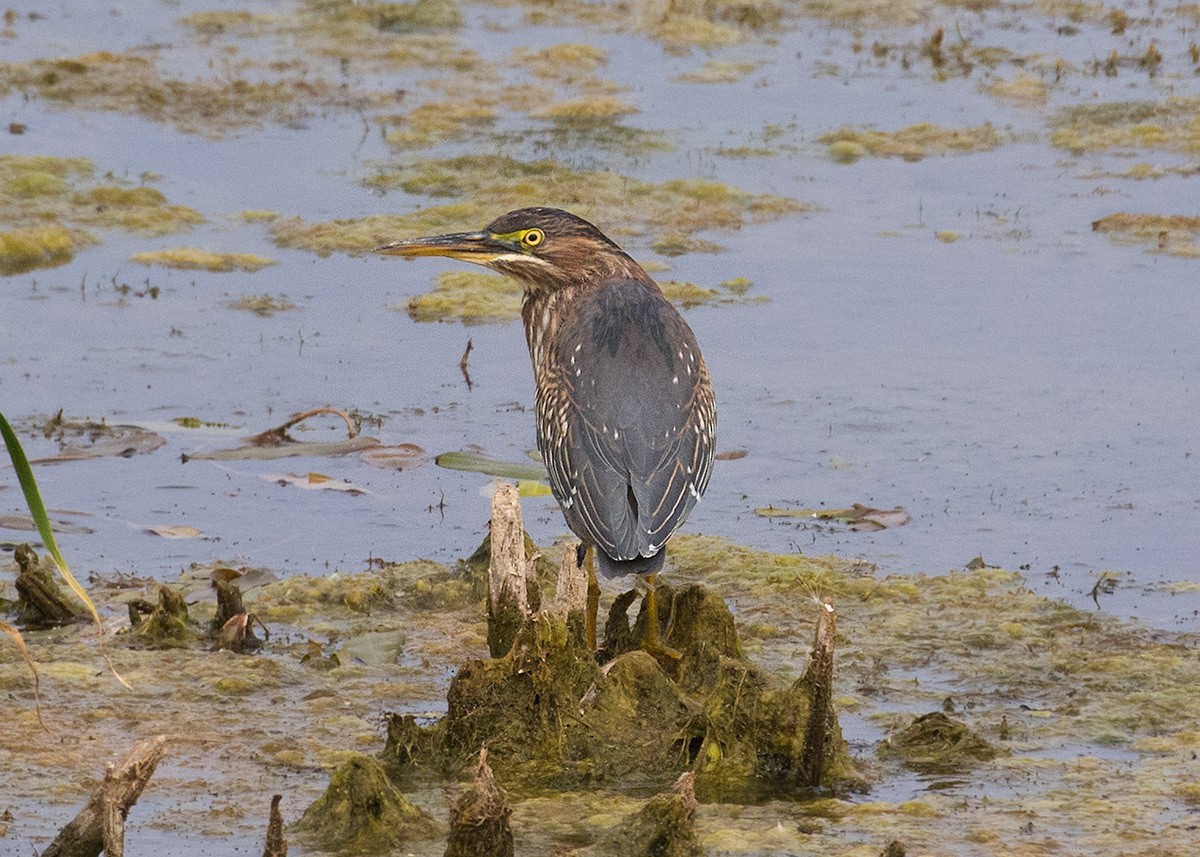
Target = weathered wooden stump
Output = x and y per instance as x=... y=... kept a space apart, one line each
x=100 y=825
x=479 y=824
x=510 y=574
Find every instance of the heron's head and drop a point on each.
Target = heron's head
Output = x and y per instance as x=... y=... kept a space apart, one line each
x=544 y=248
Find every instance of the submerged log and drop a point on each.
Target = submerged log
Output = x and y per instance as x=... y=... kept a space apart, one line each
x=479 y=824
x=41 y=602
x=99 y=826
x=509 y=572
x=276 y=845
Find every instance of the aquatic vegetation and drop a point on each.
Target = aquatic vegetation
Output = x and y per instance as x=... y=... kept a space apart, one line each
x=45 y=199
x=440 y=120
x=718 y=71
x=236 y=21
x=487 y=185
x=912 y=143
x=132 y=83
x=1024 y=90
x=1172 y=124
x=196 y=259
x=363 y=813
x=475 y=298
x=564 y=62
x=263 y=305
x=468 y=296
x=1174 y=234
x=24 y=250
x=584 y=110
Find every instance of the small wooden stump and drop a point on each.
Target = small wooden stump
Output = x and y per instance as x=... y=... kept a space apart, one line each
x=479 y=819
x=822 y=720
x=572 y=592
x=100 y=825
x=276 y=845
x=509 y=572
x=41 y=602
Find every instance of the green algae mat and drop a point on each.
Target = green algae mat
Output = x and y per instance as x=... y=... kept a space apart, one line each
x=1046 y=729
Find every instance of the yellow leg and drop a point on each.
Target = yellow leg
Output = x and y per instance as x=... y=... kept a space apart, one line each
x=651 y=643
x=593 y=599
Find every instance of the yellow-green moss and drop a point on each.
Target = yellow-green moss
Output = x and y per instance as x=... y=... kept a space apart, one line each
x=1172 y=124
x=132 y=83
x=469 y=296
x=231 y=20
x=1025 y=90
x=440 y=120
x=585 y=110
x=196 y=259
x=39 y=247
x=563 y=61
x=914 y=142
x=488 y=185
x=717 y=71
x=263 y=305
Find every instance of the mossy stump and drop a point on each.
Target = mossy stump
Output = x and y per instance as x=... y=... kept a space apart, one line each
x=509 y=572
x=479 y=824
x=165 y=624
x=935 y=742
x=41 y=602
x=551 y=718
x=363 y=813
x=664 y=827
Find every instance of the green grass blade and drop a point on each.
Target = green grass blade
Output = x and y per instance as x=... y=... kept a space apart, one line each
x=37 y=509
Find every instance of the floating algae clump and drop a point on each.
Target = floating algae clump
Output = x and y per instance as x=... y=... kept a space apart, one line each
x=195 y=259
x=23 y=250
x=937 y=743
x=485 y=186
x=470 y=296
x=363 y=813
x=664 y=827
x=912 y=143
x=1172 y=124
x=132 y=83
x=41 y=196
x=1173 y=234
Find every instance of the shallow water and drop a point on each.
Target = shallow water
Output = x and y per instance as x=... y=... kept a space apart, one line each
x=1028 y=392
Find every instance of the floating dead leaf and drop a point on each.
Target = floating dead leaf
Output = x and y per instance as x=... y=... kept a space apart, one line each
x=859 y=517
x=329 y=449
x=174 y=531
x=730 y=455
x=405 y=456
x=317 y=482
x=474 y=463
x=25 y=523
x=100 y=440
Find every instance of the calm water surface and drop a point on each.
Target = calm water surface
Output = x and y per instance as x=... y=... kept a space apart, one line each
x=1029 y=393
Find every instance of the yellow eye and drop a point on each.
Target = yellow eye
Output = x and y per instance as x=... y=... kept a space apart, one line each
x=533 y=238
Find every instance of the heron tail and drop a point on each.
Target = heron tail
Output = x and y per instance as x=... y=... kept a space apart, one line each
x=610 y=567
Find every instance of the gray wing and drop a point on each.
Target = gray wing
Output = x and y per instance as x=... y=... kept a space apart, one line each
x=629 y=425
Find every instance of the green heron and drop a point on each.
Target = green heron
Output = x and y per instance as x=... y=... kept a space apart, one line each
x=626 y=419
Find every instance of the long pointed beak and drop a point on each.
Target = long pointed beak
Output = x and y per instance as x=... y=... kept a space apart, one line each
x=477 y=247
